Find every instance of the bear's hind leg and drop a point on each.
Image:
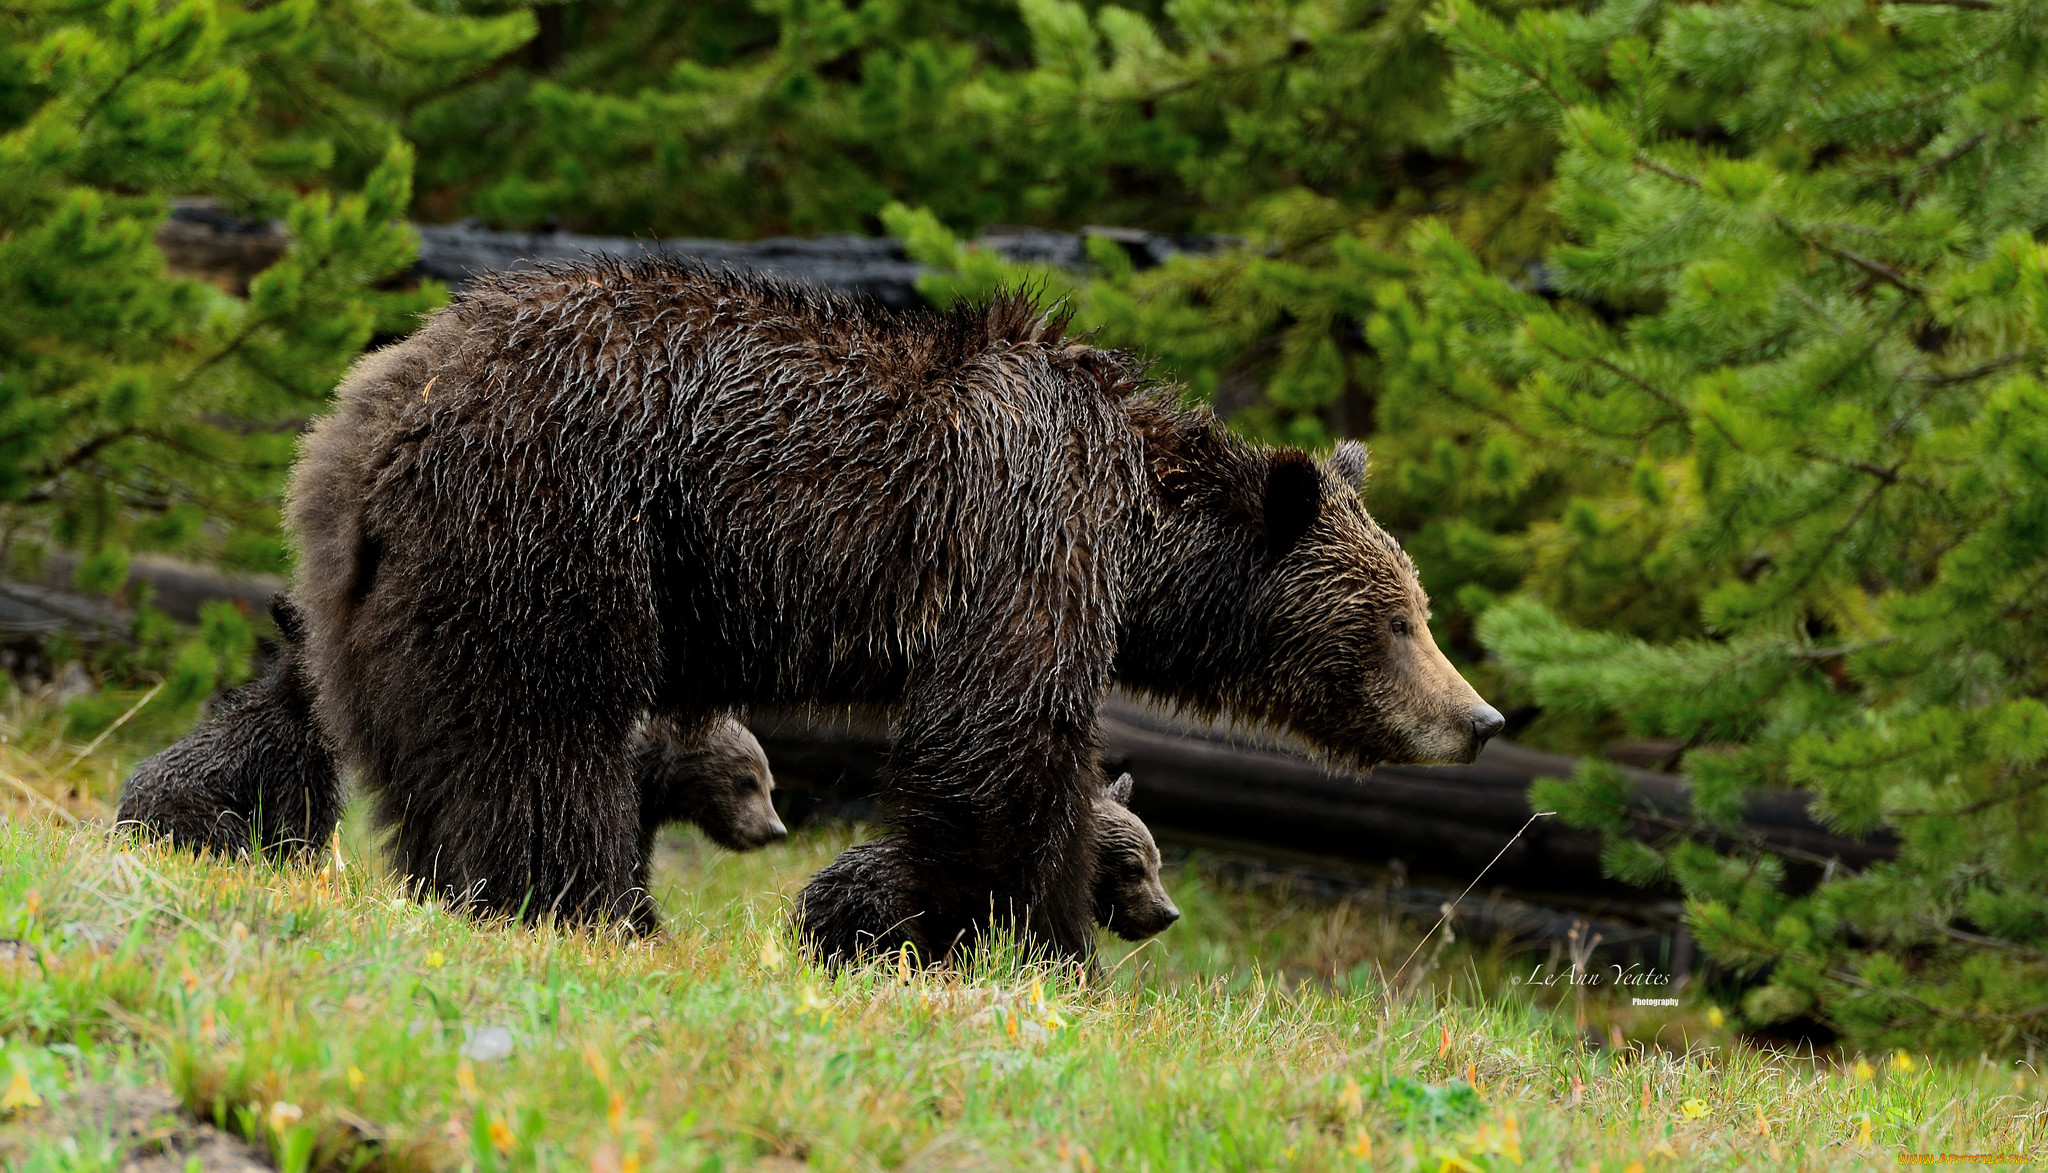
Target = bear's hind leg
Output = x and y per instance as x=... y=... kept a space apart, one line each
x=513 y=823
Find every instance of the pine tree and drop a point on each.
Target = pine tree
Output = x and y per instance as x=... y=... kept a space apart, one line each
x=140 y=411
x=1784 y=378
x=744 y=120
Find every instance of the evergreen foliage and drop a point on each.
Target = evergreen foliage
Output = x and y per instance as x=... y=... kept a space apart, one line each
x=812 y=115
x=1787 y=391
x=144 y=412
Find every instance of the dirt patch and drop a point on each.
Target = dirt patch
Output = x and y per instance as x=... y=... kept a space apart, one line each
x=147 y=1123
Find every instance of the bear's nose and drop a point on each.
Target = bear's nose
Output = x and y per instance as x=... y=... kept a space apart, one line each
x=1172 y=913
x=1486 y=721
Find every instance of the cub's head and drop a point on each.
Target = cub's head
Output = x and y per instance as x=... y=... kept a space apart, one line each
x=732 y=790
x=1129 y=899
x=1269 y=593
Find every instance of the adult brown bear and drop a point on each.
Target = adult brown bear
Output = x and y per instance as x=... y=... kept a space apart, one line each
x=587 y=493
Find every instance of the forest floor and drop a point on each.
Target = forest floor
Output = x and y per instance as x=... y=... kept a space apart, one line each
x=170 y=1013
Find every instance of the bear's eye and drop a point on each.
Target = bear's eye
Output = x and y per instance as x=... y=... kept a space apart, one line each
x=1400 y=626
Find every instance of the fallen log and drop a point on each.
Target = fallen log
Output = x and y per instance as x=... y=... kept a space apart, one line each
x=1441 y=825
x=200 y=240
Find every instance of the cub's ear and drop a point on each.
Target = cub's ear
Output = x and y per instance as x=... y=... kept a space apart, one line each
x=1119 y=791
x=291 y=626
x=1294 y=496
x=1349 y=462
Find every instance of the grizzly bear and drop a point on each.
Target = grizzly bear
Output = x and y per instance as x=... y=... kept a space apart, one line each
x=854 y=907
x=257 y=774
x=589 y=492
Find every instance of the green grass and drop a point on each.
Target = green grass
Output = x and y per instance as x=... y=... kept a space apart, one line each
x=325 y=1016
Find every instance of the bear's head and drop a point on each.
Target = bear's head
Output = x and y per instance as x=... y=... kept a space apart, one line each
x=732 y=788
x=1129 y=899
x=1265 y=591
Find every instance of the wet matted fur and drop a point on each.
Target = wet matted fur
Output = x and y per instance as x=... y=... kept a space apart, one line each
x=586 y=493
x=256 y=774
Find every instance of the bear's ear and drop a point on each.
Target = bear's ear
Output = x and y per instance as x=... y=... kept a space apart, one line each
x=1348 y=462
x=291 y=626
x=1119 y=791
x=1294 y=496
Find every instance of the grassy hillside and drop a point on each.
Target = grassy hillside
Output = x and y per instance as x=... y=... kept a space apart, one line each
x=337 y=1024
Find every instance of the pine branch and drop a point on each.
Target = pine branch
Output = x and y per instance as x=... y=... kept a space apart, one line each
x=1972 y=374
x=1981 y=939
x=1973 y=5
x=1754 y=840
x=1645 y=160
x=1942 y=1012
x=1876 y=269
x=1977 y=807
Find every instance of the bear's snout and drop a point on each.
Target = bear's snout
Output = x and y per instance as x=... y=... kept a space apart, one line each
x=772 y=830
x=1486 y=722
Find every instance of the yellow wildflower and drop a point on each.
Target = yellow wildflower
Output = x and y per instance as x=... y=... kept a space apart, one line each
x=435 y=960
x=598 y=1067
x=1634 y=1167
x=1715 y=1018
x=355 y=1077
x=1361 y=1144
x=19 y=1094
x=615 y=1112
x=1693 y=1109
x=501 y=1135
x=465 y=1078
x=1863 y=1070
x=813 y=1004
x=1901 y=1062
x=771 y=955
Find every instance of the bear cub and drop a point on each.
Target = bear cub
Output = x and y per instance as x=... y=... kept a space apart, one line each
x=722 y=783
x=848 y=909
x=256 y=773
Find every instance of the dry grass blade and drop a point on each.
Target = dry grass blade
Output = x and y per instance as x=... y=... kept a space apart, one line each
x=38 y=796
x=1453 y=905
x=124 y=718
